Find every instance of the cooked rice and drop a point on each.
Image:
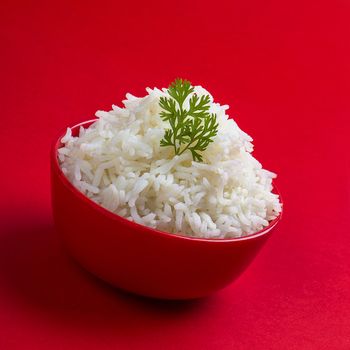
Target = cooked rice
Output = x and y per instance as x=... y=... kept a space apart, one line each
x=118 y=163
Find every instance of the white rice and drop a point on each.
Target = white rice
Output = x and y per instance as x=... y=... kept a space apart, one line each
x=119 y=164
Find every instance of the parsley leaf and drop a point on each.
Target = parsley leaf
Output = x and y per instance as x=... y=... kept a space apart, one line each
x=192 y=129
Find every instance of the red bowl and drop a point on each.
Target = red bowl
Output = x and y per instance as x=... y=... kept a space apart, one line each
x=143 y=260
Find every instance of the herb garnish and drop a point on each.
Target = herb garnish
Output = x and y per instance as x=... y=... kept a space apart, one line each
x=191 y=129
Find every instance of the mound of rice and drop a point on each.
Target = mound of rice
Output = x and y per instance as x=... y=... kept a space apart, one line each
x=119 y=164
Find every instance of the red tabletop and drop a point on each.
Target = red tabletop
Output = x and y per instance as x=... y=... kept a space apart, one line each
x=283 y=67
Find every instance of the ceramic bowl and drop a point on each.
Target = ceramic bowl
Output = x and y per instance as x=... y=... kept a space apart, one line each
x=143 y=260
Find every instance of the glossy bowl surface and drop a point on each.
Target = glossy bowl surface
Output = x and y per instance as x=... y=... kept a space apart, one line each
x=143 y=260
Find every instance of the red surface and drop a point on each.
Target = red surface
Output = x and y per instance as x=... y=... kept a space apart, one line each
x=284 y=69
x=140 y=259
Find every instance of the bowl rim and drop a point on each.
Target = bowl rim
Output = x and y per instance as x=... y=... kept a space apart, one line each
x=134 y=225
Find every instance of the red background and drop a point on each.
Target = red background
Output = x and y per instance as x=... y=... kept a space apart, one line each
x=283 y=67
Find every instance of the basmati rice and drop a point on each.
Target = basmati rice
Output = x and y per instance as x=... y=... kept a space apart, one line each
x=118 y=163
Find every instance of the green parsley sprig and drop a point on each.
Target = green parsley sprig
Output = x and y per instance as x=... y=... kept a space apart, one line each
x=190 y=129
